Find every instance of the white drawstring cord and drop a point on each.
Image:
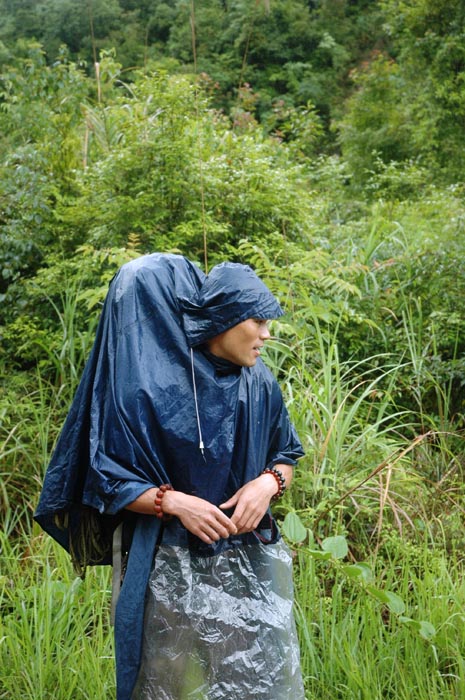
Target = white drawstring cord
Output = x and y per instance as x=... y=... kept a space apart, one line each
x=201 y=445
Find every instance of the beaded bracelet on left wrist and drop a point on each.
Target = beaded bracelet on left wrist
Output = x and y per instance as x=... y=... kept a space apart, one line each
x=280 y=480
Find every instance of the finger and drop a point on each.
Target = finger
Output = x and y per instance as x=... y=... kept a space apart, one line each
x=230 y=502
x=219 y=523
x=238 y=517
x=246 y=526
x=224 y=531
x=223 y=521
x=210 y=535
x=232 y=529
x=205 y=537
x=212 y=532
x=245 y=521
x=247 y=515
x=249 y=525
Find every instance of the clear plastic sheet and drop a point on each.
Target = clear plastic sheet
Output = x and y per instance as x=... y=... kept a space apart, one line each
x=220 y=627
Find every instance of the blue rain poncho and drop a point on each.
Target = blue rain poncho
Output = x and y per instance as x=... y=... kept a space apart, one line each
x=220 y=613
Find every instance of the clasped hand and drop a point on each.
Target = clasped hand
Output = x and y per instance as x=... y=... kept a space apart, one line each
x=210 y=523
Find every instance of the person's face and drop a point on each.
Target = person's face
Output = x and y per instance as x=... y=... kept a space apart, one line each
x=241 y=344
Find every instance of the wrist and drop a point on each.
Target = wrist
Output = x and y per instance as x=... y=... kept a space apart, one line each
x=269 y=484
x=172 y=502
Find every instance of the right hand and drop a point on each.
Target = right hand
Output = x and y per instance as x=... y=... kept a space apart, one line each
x=200 y=517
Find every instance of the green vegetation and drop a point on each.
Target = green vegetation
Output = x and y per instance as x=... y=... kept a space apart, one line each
x=322 y=143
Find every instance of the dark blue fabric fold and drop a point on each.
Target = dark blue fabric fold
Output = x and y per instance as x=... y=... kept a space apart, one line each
x=129 y=617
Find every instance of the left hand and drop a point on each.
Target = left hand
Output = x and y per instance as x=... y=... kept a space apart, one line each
x=251 y=502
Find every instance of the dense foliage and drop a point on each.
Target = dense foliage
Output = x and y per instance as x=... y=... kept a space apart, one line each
x=320 y=142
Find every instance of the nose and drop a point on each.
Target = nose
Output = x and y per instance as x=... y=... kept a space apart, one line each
x=264 y=332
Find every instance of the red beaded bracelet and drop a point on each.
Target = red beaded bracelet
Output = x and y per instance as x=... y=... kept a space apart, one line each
x=157 y=504
x=280 y=480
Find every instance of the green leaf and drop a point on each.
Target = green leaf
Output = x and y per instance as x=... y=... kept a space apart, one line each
x=359 y=571
x=318 y=554
x=293 y=528
x=395 y=603
x=427 y=630
x=424 y=628
x=337 y=546
x=377 y=593
x=409 y=622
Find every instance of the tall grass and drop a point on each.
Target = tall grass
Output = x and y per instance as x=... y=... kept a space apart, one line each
x=357 y=441
x=368 y=476
x=55 y=639
x=354 y=648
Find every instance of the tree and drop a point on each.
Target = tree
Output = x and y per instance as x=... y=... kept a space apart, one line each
x=410 y=103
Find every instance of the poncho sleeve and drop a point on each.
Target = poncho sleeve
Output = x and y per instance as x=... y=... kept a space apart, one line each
x=284 y=444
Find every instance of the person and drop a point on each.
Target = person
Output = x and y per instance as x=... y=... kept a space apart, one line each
x=178 y=438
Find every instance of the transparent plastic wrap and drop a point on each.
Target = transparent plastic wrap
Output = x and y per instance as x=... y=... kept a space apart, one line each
x=220 y=627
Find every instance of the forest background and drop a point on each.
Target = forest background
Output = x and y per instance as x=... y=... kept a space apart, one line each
x=322 y=142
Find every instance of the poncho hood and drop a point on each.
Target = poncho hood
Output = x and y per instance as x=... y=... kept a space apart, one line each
x=230 y=294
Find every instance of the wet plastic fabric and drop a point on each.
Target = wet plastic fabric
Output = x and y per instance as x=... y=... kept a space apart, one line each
x=227 y=634
x=133 y=424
